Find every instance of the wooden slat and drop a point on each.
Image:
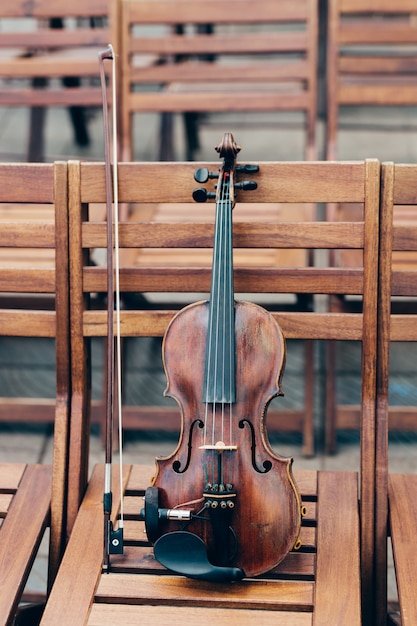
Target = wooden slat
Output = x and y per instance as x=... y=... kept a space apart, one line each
x=103 y=614
x=29 y=512
x=403 y=524
x=145 y=13
x=277 y=182
x=229 y=43
x=293 y=325
x=10 y=476
x=253 y=235
x=179 y=591
x=43 y=8
x=338 y=550
x=262 y=280
x=17 y=323
x=232 y=100
x=37 y=187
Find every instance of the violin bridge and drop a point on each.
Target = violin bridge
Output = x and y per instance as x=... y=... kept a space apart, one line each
x=219 y=447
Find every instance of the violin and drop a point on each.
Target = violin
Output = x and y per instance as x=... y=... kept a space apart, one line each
x=223 y=506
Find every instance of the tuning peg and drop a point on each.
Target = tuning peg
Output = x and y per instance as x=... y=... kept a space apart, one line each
x=248 y=168
x=201 y=195
x=246 y=185
x=202 y=175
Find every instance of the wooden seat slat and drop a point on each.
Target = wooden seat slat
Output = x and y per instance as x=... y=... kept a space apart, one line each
x=130 y=615
x=403 y=525
x=255 y=594
x=28 y=512
x=10 y=476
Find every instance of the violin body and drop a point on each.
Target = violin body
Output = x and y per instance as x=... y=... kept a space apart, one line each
x=265 y=519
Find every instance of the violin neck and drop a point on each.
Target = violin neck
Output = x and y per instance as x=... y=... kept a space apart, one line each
x=219 y=377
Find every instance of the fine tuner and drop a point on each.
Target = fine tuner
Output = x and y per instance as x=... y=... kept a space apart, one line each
x=203 y=175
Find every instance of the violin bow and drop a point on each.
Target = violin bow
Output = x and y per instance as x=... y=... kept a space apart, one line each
x=113 y=538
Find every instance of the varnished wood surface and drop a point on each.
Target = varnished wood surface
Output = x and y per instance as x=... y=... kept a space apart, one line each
x=403 y=523
x=34 y=303
x=25 y=511
x=396 y=493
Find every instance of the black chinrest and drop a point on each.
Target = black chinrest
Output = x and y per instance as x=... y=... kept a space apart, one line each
x=184 y=553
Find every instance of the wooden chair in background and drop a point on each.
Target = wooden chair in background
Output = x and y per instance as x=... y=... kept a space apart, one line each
x=35 y=197
x=399 y=193
x=371 y=59
x=255 y=57
x=54 y=48
x=322 y=582
x=371 y=63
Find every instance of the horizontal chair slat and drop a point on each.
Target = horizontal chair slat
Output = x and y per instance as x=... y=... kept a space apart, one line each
x=52 y=97
x=220 y=12
x=276 y=183
x=104 y=615
x=294 y=325
x=44 y=39
x=263 y=235
x=262 y=280
x=245 y=42
x=33 y=236
x=378 y=64
x=59 y=8
x=375 y=94
x=16 y=323
x=207 y=72
x=52 y=66
x=372 y=32
x=367 y=6
x=405 y=188
x=230 y=100
x=272 y=595
x=38 y=185
x=27 y=280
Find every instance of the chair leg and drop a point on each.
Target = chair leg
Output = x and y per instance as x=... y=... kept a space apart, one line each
x=308 y=427
x=331 y=407
x=36 y=143
x=166 y=138
x=191 y=134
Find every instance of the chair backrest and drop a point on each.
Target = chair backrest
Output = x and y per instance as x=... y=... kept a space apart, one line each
x=371 y=57
x=396 y=323
x=34 y=303
x=302 y=182
x=53 y=47
x=253 y=57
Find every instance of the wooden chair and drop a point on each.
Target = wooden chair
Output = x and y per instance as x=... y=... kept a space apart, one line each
x=25 y=489
x=371 y=63
x=54 y=48
x=195 y=72
x=322 y=582
x=254 y=57
x=371 y=60
x=398 y=194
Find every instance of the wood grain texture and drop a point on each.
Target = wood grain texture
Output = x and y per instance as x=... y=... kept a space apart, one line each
x=403 y=524
x=20 y=535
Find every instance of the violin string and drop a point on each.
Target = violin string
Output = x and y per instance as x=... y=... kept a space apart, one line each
x=231 y=320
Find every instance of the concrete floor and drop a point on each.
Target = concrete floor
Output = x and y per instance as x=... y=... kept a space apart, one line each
x=364 y=135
